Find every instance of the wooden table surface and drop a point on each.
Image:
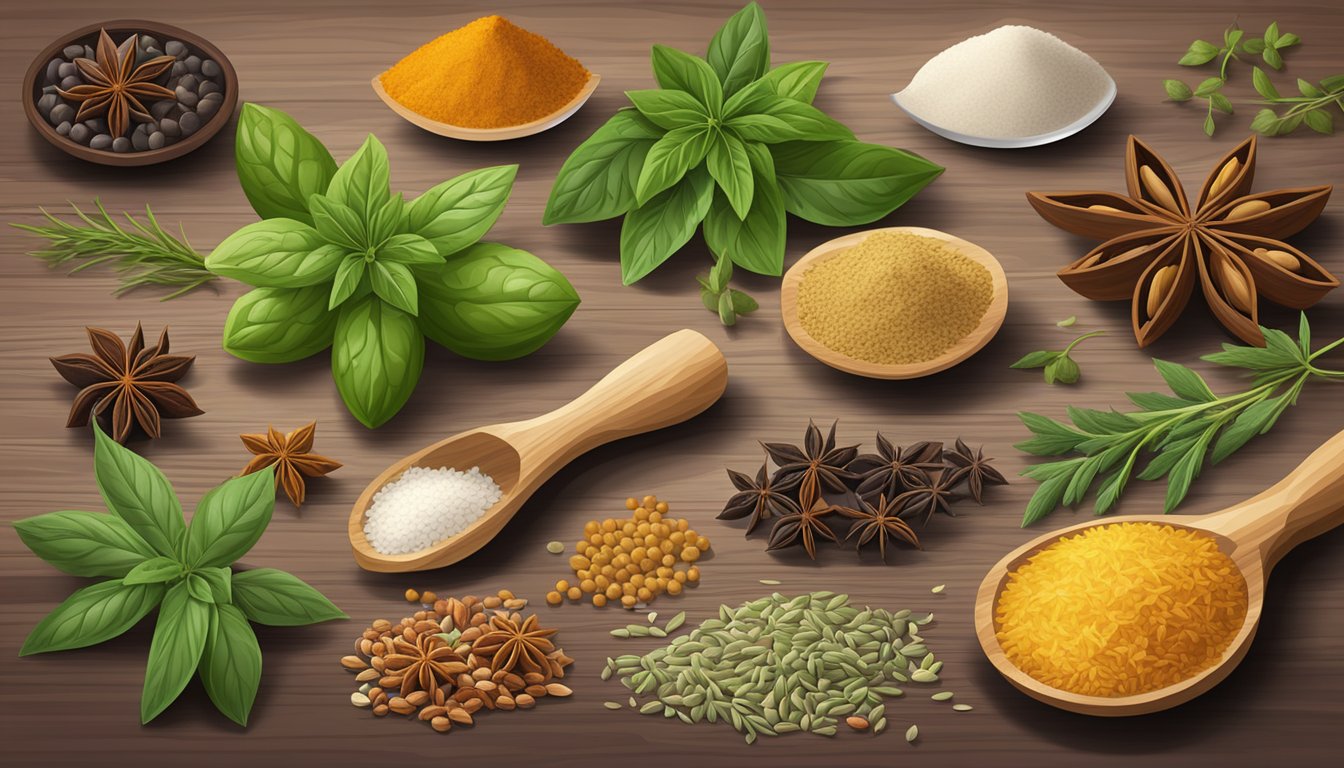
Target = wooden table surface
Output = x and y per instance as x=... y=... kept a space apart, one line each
x=314 y=60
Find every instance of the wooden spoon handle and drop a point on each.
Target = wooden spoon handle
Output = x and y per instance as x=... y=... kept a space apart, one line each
x=666 y=383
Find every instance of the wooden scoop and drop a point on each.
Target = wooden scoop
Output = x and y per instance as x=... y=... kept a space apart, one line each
x=666 y=383
x=1255 y=534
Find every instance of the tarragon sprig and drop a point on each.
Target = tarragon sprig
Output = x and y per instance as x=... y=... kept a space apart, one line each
x=1235 y=41
x=1312 y=107
x=1178 y=432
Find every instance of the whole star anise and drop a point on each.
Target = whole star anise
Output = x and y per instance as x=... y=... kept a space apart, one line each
x=894 y=469
x=936 y=493
x=1156 y=246
x=135 y=383
x=762 y=498
x=292 y=456
x=976 y=471
x=422 y=665
x=804 y=526
x=114 y=85
x=879 y=521
x=818 y=465
x=511 y=645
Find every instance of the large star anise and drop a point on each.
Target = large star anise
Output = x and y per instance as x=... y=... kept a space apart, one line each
x=762 y=498
x=293 y=457
x=804 y=526
x=1156 y=246
x=115 y=86
x=135 y=383
x=818 y=465
x=422 y=665
x=894 y=469
x=512 y=645
x=977 y=472
x=879 y=521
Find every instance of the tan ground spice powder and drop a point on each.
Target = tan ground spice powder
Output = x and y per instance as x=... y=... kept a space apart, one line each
x=894 y=299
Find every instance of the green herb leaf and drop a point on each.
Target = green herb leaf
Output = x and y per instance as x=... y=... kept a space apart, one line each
x=726 y=314
x=411 y=250
x=847 y=183
x=377 y=354
x=389 y=220
x=337 y=224
x=1272 y=33
x=276 y=253
x=720 y=274
x=280 y=165
x=1272 y=57
x=680 y=71
x=1209 y=126
x=1254 y=46
x=1067 y=322
x=670 y=159
x=598 y=180
x=1177 y=90
x=230 y=518
x=1287 y=40
x=281 y=325
x=1263 y=86
x=220 y=580
x=92 y=615
x=669 y=109
x=175 y=651
x=231 y=663
x=138 y=493
x=458 y=212
x=654 y=231
x=740 y=50
x=796 y=80
x=1265 y=121
x=1231 y=37
x=362 y=183
x=156 y=570
x=755 y=242
x=1038 y=359
x=199 y=589
x=730 y=166
x=349 y=277
x=1308 y=90
x=1320 y=121
x=1200 y=52
x=1209 y=86
x=279 y=599
x=780 y=119
x=1184 y=382
x=742 y=303
x=395 y=285
x=1221 y=103
x=84 y=543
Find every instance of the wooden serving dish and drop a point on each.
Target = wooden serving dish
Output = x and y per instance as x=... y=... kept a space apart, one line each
x=978 y=338
x=489 y=134
x=118 y=30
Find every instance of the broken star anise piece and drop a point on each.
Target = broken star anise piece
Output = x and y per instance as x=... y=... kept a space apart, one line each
x=879 y=521
x=805 y=526
x=761 y=499
x=422 y=665
x=976 y=472
x=129 y=385
x=936 y=494
x=818 y=465
x=1157 y=246
x=894 y=469
x=114 y=86
x=511 y=644
x=293 y=457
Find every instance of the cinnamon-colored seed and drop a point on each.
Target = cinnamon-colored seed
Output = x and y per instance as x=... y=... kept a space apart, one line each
x=425 y=626
x=1283 y=258
x=418 y=698
x=441 y=724
x=505 y=703
x=533 y=678
x=441 y=607
x=515 y=604
x=380 y=710
x=431 y=712
x=382 y=625
x=1157 y=189
x=367 y=676
x=1248 y=208
x=1234 y=285
x=857 y=723
x=365 y=646
x=389 y=681
x=377 y=663
x=1159 y=287
x=557 y=689
x=524 y=701
x=512 y=681
x=412 y=596
x=460 y=716
x=429 y=598
x=505 y=594
x=371 y=634
x=536 y=690
x=353 y=663
x=479 y=619
x=1225 y=175
x=1106 y=208
x=482 y=673
x=469 y=706
x=400 y=706
x=486 y=685
x=492 y=602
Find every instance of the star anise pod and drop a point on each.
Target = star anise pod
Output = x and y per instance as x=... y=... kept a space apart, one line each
x=894 y=469
x=762 y=498
x=935 y=494
x=511 y=645
x=135 y=383
x=818 y=465
x=293 y=457
x=1157 y=246
x=424 y=665
x=114 y=85
x=804 y=526
x=879 y=521
x=976 y=469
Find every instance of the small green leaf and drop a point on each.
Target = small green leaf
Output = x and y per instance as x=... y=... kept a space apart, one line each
x=377 y=354
x=349 y=276
x=669 y=109
x=654 y=231
x=1047 y=496
x=1184 y=381
x=598 y=180
x=730 y=166
x=220 y=579
x=458 y=212
x=1320 y=121
x=275 y=253
x=411 y=250
x=740 y=50
x=280 y=325
x=84 y=543
x=1254 y=46
x=1265 y=122
x=670 y=159
x=1200 y=52
x=1272 y=33
x=1209 y=127
x=154 y=571
x=279 y=599
x=1221 y=103
x=230 y=518
x=1272 y=57
x=710 y=299
x=199 y=588
x=175 y=651
x=1287 y=40
x=742 y=303
x=280 y=165
x=338 y=224
x=362 y=182
x=138 y=493
x=1232 y=36
x=1177 y=90
x=1052 y=370
x=796 y=80
x=1209 y=86
x=394 y=284
x=680 y=71
x=1263 y=86
x=726 y=314
x=720 y=274
x=231 y=663
x=92 y=615
x=1309 y=90
x=1066 y=370
x=1038 y=359
x=1067 y=322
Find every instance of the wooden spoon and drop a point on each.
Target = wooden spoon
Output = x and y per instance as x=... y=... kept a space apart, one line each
x=1255 y=533
x=979 y=337
x=666 y=383
x=490 y=134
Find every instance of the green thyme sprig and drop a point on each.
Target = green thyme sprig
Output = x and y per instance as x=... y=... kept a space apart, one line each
x=142 y=254
x=1179 y=432
x=1059 y=367
x=726 y=302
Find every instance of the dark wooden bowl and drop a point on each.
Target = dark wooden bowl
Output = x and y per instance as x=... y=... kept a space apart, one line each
x=119 y=29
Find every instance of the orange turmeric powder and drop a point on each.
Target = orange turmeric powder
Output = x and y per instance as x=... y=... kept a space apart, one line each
x=490 y=73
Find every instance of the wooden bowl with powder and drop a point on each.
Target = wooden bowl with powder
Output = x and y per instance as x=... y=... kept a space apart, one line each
x=910 y=303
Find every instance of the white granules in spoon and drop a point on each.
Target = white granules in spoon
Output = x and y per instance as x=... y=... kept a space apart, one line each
x=425 y=506
x=1012 y=83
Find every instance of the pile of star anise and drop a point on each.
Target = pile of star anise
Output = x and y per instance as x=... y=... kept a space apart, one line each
x=817 y=485
x=459 y=656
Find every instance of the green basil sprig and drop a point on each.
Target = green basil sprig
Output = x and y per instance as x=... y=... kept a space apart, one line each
x=150 y=557
x=728 y=141
x=339 y=261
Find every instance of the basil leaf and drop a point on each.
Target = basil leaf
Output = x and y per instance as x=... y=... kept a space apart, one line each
x=845 y=183
x=413 y=250
x=669 y=109
x=756 y=241
x=275 y=253
x=84 y=543
x=279 y=599
x=279 y=325
x=376 y=358
x=740 y=50
x=395 y=284
x=362 y=183
x=337 y=223
x=779 y=119
x=1320 y=121
x=680 y=71
x=348 y=278
x=92 y=615
x=1263 y=85
x=387 y=221
x=199 y=589
x=670 y=158
x=458 y=212
x=742 y=303
x=493 y=302
x=728 y=163
x=280 y=165
x=175 y=651
x=656 y=230
x=154 y=571
x=797 y=80
x=230 y=518
x=598 y=180
x=220 y=580
x=138 y=493
x=725 y=308
x=231 y=663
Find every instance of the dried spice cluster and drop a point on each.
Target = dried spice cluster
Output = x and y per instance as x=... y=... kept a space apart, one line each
x=446 y=663
x=889 y=487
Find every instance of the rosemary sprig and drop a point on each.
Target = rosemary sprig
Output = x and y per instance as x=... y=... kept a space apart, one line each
x=143 y=254
x=1180 y=430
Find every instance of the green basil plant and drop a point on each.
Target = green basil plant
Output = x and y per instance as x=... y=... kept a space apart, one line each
x=340 y=261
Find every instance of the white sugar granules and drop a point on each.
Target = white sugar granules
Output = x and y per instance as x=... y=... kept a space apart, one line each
x=1015 y=82
x=425 y=506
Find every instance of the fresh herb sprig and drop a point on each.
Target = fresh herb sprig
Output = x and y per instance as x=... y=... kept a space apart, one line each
x=1312 y=107
x=720 y=299
x=142 y=254
x=149 y=556
x=1059 y=367
x=1181 y=431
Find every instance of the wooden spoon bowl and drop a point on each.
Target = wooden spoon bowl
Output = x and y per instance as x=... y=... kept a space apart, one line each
x=972 y=343
x=489 y=134
x=666 y=383
x=1255 y=534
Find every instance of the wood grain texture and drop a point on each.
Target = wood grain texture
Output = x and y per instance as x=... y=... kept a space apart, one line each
x=314 y=59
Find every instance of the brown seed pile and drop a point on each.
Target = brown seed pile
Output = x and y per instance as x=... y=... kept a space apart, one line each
x=446 y=663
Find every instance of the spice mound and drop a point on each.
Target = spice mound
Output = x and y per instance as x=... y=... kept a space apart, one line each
x=894 y=299
x=1012 y=83
x=489 y=74
x=1121 y=609
x=425 y=506
x=446 y=663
